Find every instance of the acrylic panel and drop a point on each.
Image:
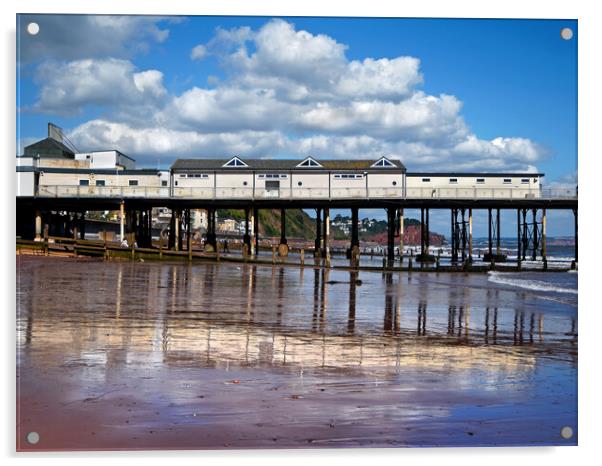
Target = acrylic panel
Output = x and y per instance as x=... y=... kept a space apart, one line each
x=295 y=232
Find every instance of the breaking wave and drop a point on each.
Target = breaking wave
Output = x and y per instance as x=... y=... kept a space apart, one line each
x=510 y=279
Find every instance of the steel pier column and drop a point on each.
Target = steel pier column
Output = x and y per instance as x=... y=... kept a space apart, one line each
x=355 y=237
x=390 y=237
x=247 y=236
x=518 y=238
x=283 y=246
x=463 y=235
x=188 y=232
x=470 y=235
x=535 y=235
x=489 y=237
x=171 y=240
x=498 y=233
x=121 y=221
x=318 y=241
x=327 y=236
x=525 y=235
x=82 y=225
x=255 y=222
x=178 y=243
x=211 y=237
x=38 y=226
x=400 y=219
x=422 y=231
x=544 y=252
x=454 y=245
x=576 y=237
x=427 y=236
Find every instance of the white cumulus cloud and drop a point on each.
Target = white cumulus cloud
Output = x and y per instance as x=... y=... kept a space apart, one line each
x=286 y=92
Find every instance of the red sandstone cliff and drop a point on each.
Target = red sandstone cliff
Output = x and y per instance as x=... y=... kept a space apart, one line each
x=411 y=236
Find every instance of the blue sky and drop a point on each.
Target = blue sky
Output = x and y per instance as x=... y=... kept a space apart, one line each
x=437 y=93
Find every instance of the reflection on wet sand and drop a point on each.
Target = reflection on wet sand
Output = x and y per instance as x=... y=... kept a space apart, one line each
x=222 y=324
x=169 y=317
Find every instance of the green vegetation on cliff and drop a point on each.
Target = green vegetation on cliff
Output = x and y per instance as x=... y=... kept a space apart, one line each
x=298 y=223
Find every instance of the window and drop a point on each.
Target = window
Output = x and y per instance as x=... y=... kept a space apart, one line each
x=300 y=183
x=383 y=162
x=426 y=180
x=133 y=182
x=235 y=162
x=309 y=162
x=453 y=180
x=272 y=176
x=100 y=183
x=244 y=183
x=183 y=175
x=163 y=182
x=348 y=176
x=394 y=183
x=507 y=180
x=524 y=180
x=480 y=180
x=84 y=182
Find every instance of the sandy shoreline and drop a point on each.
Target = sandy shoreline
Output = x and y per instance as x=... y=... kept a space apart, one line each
x=139 y=356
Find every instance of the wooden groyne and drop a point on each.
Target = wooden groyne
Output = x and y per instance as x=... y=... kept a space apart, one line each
x=109 y=251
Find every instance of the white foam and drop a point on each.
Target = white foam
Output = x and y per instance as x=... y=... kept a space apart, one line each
x=505 y=279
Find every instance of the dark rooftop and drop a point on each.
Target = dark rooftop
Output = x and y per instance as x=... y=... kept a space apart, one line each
x=281 y=164
x=48 y=148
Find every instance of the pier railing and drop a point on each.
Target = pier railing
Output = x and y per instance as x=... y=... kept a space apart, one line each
x=75 y=191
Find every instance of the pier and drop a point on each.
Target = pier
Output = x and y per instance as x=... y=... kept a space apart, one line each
x=57 y=188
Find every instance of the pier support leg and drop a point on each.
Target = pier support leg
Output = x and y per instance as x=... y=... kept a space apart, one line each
x=463 y=235
x=498 y=249
x=535 y=236
x=255 y=239
x=489 y=232
x=421 y=231
x=283 y=246
x=82 y=226
x=390 y=237
x=544 y=228
x=427 y=232
x=178 y=227
x=318 y=242
x=355 y=238
x=454 y=244
x=518 y=239
x=327 y=236
x=38 y=226
x=246 y=239
x=188 y=232
x=211 y=245
x=400 y=217
x=171 y=240
x=573 y=266
x=470 y=236
x=525 y=235
x=121 y=221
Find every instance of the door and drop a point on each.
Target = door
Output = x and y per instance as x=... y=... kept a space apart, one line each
x=272 y=188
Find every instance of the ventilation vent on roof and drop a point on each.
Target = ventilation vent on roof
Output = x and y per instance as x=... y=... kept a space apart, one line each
x=383 y=162
x=309 y=162
x=235 y=162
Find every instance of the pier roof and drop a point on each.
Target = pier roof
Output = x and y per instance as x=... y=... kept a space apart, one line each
x=479 y=174
x=283 y=164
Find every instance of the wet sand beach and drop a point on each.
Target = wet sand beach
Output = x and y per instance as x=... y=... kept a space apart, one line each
x=131 y=355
